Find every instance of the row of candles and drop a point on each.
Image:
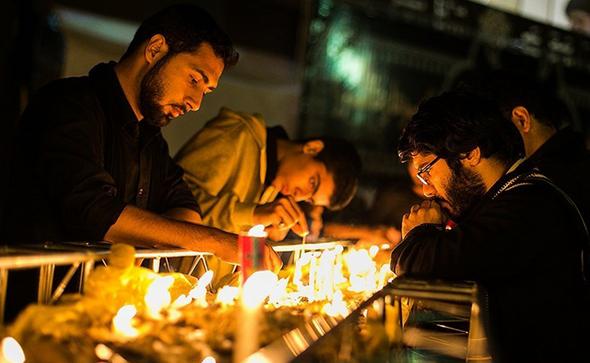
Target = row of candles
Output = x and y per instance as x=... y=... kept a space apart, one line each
x=318 y=277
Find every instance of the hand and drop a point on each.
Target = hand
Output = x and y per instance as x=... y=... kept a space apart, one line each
x=284 y=214
x=427 y=212
x=271 y=261
x=316 y=222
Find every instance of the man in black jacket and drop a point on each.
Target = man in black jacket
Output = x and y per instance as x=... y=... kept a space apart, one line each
x=514 y=232
x=91 y=162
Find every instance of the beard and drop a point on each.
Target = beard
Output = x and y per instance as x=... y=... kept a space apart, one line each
x=151 y=93
x=464 y=189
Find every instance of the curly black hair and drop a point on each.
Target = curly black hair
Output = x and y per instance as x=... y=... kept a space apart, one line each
x=456 y=122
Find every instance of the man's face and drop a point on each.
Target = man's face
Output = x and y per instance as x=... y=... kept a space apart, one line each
x=305 y=179
x=454 y=190
x=177 y=83
x=580 y=21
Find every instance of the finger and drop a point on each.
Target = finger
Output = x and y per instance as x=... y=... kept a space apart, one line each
x=414 y=208
x=297 y=217
x=426 y=204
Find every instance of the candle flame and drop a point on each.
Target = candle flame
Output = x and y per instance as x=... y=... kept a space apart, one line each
x=209 y=359
x=122 y=322
x=257 y=288
x=12 y=352
x=227 y=295
x=257 y=231
x=157 y=296
x=336 y=307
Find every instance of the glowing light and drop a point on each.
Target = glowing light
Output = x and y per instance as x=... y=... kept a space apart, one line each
x=257 y=231
x=157 y=296
x=227 y=295
x=12 y=352
x=257 y=288
x=122 y=322
x=199 y=292
x=373 y=250
x=103 y=352
x=385 y=246
x=209 y=359
x=337 y=307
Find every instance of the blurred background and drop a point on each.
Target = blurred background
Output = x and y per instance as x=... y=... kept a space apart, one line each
x=350 y=68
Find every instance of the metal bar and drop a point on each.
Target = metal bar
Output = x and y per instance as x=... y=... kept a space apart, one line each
x=45 y=283
x=26 y=258
x=3 y=289
x=62 y=285
x=84 y=273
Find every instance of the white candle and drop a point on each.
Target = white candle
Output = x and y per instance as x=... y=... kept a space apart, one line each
x=255 y=290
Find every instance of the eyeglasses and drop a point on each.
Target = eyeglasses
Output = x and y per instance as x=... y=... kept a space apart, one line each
x=423 y=173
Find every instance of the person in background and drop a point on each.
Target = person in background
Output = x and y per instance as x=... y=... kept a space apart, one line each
x=550 y=143
x=514 y=232
x=91 y=163
x=578 y=13
x=242 y=173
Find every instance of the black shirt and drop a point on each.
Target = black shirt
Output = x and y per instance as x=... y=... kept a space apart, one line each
x=522 y=242
x=81 y=156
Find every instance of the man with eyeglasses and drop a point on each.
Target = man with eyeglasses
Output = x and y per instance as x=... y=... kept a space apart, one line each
x=515 y=233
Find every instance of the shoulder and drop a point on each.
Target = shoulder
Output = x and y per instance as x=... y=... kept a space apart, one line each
x=72 y=89
x=240 y=122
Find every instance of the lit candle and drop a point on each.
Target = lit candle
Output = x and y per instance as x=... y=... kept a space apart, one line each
x=254 y=291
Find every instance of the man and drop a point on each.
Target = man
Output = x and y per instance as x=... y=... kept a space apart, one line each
x=91 y=162
x=578 y=13
x=550 y=145
x=515 y=233
x=242 y=174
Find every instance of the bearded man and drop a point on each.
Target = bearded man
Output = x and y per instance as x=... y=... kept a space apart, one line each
x=91 y=162
x=514 y=232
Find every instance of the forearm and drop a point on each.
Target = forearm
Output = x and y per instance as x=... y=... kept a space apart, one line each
x=184 y=214
x=138 y=227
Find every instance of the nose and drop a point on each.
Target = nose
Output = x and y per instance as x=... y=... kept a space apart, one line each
x=300 y=195
x=193 y=102
x=428 y=191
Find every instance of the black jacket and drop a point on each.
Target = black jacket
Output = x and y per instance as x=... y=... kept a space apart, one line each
x=80 y=157
x=522 y=242
x=564 y=159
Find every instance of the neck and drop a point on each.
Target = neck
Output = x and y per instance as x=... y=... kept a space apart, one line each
x=285 y=148
x=491 y=171
x=534 y=140
x=129 y=75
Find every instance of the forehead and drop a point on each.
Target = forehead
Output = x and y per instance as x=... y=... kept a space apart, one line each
x=203 y=59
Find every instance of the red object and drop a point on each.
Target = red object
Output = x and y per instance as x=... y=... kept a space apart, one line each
x=450 y=225
x=251 y=254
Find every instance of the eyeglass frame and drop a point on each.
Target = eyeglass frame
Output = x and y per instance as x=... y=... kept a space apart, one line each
x=426 y=170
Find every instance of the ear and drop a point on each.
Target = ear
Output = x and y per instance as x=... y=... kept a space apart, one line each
x=521 y=118
x=313 y=147
x=155 y=49
x=473 y=158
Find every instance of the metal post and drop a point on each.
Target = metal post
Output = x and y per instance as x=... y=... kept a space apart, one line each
x=3 y=289
x=45 y=283
x=477 y=344
x=156 y=264
x=84 y=273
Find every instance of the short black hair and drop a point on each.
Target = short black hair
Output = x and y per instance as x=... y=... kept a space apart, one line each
x=583 y=5
x=185 y=28
x=456 y=122
x=511 y=88
x=344 y=164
